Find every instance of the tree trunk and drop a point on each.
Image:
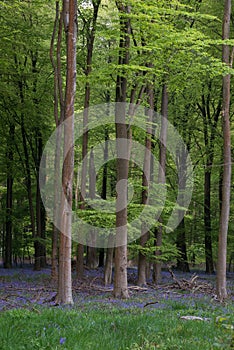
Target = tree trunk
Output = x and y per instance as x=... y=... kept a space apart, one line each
x=207 y=222
x=9 y=200
x=209 y=138
x=120 y=277
x=65 y=281
x=57 y=206
x=109 y=262
x=28 y=181
x=105 y=166
x=101 y=257
x=182 y=261
x=92 y=237
x=161 y=180
x=108 y=266
x=89 y=58
x=226 y=185
x=56 y=64
x=104 y=195
x=40 y=211
x=142 y=258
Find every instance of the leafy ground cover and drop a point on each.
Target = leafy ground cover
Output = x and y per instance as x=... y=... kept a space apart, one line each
x=150 y=319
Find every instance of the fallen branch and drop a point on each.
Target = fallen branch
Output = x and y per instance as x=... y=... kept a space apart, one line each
x=150 y=303
x=192 y=285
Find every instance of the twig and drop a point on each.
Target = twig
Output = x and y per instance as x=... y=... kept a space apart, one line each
x=150 y=303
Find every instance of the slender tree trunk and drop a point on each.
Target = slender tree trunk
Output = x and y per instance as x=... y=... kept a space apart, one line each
x=109 y=251
x=209 y=138
x=108 y=266
x=142 y=258
x=220 y=185
x=56 y=64
x=27 y=168
x=80 y=260
x=89 y=59
x=91 y=249
x=161 y=180
x=105 y=166
x=226 y=185
x=8 y=232
x=40 y=211
x=9 y=200
x=109 y=262
x=182 y=261
x=57 y=207
x=101 y=257
x=207 y=222
x=28 y=181
x=40 y=249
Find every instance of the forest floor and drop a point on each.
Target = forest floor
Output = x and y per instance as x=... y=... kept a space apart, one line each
x=24 y=287
x=182 y=313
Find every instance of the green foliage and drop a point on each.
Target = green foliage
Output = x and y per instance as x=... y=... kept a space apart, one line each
x=169 y=251
x=196 y=251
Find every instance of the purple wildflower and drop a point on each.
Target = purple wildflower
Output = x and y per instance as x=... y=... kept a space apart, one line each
x=62 y=341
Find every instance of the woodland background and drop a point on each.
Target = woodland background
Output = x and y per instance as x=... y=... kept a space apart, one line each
x=166 y=55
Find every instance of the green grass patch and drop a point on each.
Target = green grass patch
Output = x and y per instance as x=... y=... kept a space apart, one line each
x=110 y=328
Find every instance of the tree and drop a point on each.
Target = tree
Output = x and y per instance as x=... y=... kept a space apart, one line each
x=58 y=117
x=210 y=121
x=69 y=13
x=91 y=251
x=161 y=178
x=9 y=198
x=90 y=32
x=142 y=259
x=226 y=184
x=183 y=178
x=120 y=277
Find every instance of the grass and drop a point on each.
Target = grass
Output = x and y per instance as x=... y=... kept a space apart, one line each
x=104 y=327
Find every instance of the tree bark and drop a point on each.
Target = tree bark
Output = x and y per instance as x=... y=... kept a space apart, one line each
x=9 y=199
x=40 y=210
x=209 y=138
x=120 y=276
x=105 y=166
x=91 y=248
x=104 y=196
x=161 y=180
x=226 y=185
x=88 y=68
x=142 y=258
x=109 y=262
x=58 y=99
x=207 y=222
x=28 y=181
x=182 y=261
x=64 y=295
